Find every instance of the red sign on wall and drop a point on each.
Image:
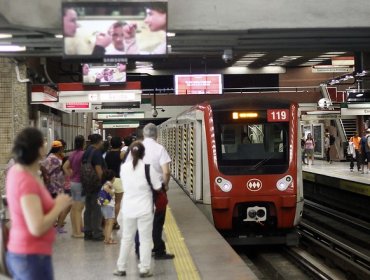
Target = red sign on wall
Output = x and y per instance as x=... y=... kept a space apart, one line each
x=78 y=105
x=278 y=115
x=198 y=84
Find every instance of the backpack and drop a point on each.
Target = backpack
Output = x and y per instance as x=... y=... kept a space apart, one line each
x=332 y=139
x=89 y=178
x=104 y=197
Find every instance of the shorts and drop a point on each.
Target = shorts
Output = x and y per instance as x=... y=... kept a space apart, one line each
x=117 y=185
x=367 y=157
x=309 y=152
x=108 y=212
x=76 y=192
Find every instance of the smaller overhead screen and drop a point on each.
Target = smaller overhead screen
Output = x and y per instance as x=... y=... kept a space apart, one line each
x=105 y=29
x=103 y=74
x=198 y=84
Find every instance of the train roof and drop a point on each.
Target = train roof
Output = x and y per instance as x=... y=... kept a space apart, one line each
x=261 y=102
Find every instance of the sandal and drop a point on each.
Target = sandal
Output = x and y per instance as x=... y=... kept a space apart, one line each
x=110 y=242
x=116 y=226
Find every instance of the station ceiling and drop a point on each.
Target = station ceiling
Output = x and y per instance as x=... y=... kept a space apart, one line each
x=287 y=48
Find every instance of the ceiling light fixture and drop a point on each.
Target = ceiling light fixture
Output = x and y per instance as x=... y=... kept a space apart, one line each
x=12 y=48
x=5 y=35
x=59 y=36
x=171 y=34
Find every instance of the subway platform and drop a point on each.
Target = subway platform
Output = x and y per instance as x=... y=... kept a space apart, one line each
x=338 y=175
x=201 y=252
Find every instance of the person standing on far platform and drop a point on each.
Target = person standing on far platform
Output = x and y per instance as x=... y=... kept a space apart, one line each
x=32 y=210
x=365 y=149
x=327 y=147
x=356 y=140
x=309 y=146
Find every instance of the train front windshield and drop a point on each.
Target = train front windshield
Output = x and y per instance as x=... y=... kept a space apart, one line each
x=251 y=145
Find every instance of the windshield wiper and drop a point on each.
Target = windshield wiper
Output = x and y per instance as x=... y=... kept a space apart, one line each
x=261 y=163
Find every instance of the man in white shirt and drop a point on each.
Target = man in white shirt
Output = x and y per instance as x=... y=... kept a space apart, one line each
x=157 y=156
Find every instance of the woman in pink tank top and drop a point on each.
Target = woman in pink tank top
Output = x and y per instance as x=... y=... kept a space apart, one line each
x=32 y=210
x=309 y=147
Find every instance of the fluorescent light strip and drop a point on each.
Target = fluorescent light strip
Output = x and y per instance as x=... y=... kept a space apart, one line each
x=58 y=36
x=171 y=34
x=5 y=35
x=12 y=48
x=336 y=53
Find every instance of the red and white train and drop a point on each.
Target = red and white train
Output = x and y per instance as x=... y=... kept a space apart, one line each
x=238 y=161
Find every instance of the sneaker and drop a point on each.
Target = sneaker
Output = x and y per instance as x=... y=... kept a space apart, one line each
x=119 y=273
x=362 y=172
x=164 y=256
x=88 y=236
x=351 y=169
x=145 y=274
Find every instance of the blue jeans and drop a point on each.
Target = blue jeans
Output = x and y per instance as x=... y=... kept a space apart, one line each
x=29 y=267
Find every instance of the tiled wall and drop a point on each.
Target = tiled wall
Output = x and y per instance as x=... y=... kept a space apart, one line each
x=13 y=109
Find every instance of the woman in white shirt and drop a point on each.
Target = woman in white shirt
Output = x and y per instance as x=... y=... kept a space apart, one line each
x=137 y=210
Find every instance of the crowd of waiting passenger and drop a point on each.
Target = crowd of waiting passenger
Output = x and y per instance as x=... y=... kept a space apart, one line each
x=358 y=150
x=93 y=184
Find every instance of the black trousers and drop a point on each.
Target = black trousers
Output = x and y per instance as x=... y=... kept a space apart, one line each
x=92 y=216
x=158 y=223
x=328 y=154
x=159 y=245
x=358 y=160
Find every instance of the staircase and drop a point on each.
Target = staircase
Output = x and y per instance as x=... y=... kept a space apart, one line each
x=350 y=127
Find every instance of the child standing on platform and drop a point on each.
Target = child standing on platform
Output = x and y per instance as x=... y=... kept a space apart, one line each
x=107 y=206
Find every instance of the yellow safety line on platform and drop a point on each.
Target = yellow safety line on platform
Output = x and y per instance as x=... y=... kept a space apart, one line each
x=184 y=265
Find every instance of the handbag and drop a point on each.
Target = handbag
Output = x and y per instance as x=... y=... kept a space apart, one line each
x=4 y=236
x=159 y=197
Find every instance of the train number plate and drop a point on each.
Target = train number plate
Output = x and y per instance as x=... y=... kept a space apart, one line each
x=278 y=115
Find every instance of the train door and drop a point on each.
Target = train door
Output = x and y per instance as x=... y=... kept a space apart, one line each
x=198 y=162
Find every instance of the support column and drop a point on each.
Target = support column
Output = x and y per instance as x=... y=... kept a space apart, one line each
x=13 y=110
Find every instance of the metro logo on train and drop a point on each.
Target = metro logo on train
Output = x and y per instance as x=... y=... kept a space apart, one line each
x=254 y=185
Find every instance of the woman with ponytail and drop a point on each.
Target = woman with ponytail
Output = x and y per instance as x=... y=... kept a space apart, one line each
x=137 y=209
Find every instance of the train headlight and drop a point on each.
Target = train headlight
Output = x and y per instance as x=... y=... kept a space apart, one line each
x=223 y=184
x=284 y=183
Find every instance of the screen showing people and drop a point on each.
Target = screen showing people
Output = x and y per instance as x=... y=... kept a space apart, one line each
x=115 y=28
x=103 y=74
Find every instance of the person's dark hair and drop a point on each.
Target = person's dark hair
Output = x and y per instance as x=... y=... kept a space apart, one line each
x=26 y=146
x=105 y=147
x=55 y=150
x=108 y=175
x=79 y=142
x=127 y=140
x=116 y=142
x=159 y=7
x=137 y=152
x=95 y=138
x=64 y=143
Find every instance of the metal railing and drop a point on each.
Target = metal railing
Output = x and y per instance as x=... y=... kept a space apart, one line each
x=150 y=91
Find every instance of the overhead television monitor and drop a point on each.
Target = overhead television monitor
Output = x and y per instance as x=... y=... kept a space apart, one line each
x=103 y=74
x=198 y=84
x=105 y=29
